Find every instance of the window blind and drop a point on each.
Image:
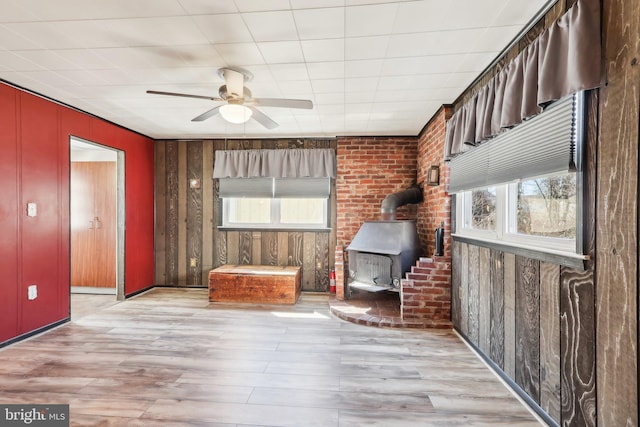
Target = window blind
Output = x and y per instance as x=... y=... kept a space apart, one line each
x=301 y=188
x=246 y=187
x=545 y=144
x=275 y=187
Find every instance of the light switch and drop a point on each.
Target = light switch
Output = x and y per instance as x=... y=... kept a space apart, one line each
x=32 y=292
x=32 y=209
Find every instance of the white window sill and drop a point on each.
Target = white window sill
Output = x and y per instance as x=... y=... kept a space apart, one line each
x=569 y=259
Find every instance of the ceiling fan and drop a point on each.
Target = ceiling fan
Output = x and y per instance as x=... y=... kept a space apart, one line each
x=239 y=106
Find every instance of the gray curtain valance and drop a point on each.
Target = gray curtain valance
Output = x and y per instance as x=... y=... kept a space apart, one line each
x=564 y=59
x=285 y=163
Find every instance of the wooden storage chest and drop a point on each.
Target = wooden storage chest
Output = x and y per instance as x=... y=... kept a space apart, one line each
x=261 y=284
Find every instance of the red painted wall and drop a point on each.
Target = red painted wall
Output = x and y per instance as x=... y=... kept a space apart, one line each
x=34 y=167
x=9 y=255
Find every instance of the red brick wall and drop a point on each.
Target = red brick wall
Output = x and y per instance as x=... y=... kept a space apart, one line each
x=369 y=169
x=436 y=207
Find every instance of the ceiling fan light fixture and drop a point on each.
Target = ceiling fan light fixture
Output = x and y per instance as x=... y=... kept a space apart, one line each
x=234 y=113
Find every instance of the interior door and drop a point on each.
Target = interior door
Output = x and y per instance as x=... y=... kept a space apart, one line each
x=93 y=224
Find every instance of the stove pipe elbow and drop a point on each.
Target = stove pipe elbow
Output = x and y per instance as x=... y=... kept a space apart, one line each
x=393 y=201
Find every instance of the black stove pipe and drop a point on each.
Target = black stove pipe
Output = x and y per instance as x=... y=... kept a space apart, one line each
x=393 y=201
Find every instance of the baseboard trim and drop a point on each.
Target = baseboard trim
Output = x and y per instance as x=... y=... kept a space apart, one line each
x=509 y=382
x=34 y=332
x=92 y=290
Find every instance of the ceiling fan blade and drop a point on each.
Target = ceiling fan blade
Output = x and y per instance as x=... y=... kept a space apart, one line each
x=281 y=102
x=234 y=81
x=207 y=114
x=184 y=95
x=263 y=119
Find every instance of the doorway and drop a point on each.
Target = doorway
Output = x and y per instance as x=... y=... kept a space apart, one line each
x=96 y=219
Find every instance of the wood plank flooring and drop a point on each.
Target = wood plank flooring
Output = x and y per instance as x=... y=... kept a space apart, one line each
x=169 y=357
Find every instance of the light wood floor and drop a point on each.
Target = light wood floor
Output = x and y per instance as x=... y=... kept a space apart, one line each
x=169 y=358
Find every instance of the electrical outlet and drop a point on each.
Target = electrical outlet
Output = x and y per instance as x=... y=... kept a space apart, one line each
x=32 y=292
x=194 y=262
x=32 y=209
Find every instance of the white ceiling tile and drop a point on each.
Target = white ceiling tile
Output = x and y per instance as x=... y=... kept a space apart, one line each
x=366 y=48
x=436 y=15
x=320 y=23
x=364 y=84
x=391 y=83
x=261 y=74
x=50 y=78
x=82 y=77
x=67 y=10
x=141 y=57
x=494 y=37
x=16 y=62
x=240 y=54
x=271 y=26
x=284 y=72
x=460 y=79
x=47 y=59
x=475 y=61
x=370 y=20
x=436 y=43
x=326 y=70
x=200 y=55
x=441 y=95
x=328 y=85
x=207 y=7
x=18 y=78
x=355 y=108
x=366 y=2
x=323 y=50
x=356 y=117
x=308 y=122
x=363 y=68
x=329 y=98
x=261 y=5
x=281 y=52
x=193 y=76
x=87 y=59
x=409 y=57
x=360 y=97
x=294 y=89
x=29 y=35
x=517 y=12
x=123 y=32
x=224 y=28
x=420 y=64
x=315 y=4
x=16 y=11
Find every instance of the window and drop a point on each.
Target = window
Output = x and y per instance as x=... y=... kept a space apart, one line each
x=545 y=207
x=523 y=188
x=538 y=213
x=483 y=209
x=283 y=203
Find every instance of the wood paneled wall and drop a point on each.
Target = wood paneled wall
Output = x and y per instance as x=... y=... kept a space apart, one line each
x=616 y=230
x=571 y=336
x=188 y=242
x=535 y=321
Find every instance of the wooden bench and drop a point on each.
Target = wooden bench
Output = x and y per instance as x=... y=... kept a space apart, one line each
x=267 y=284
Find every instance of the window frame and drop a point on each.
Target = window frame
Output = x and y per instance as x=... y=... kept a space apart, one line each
x=506 y=222
x=275 y=222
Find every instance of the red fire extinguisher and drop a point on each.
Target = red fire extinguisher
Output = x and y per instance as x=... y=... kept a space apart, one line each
x=332 y=281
